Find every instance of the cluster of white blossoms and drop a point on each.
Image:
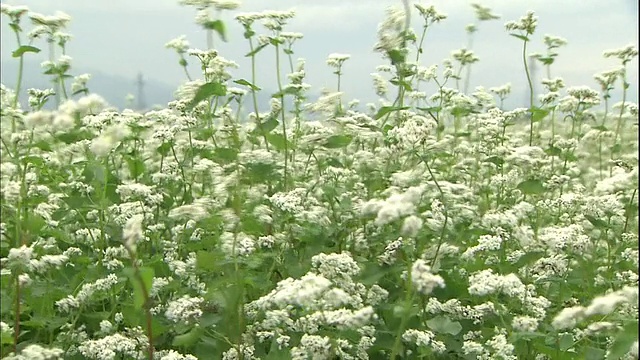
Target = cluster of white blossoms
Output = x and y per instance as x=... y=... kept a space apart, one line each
x=423 y=279
x=394 y=207
x=36 y=352
x=327 y=297
x=86 y=292
x=184 y=310
x=111 y=346
x=485 y=282
x=603 y=305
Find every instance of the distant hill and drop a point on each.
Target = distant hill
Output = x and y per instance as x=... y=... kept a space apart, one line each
x=113 y=88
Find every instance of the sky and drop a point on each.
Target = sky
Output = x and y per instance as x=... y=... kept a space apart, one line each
x=125 y=37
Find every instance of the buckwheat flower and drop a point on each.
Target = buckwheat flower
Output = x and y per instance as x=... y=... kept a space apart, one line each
x=524 y=324
x=106 y=327
x=109 y=347
x=326 y=104
x=380 y=84
x=604 y=305
x=484 y=13
x=411 y=225
x=90 y=104
x=100 y=285
x=134 y=191
x=133 y=232
x=418 y=337
x=13 y=11
x=568 y=318
x=109 y=139
x=312 y=346
x=501 y=91
x=67 y=304
x=501 y=347
x=584 y=95
x=302 y=292
x=36 y=352
x=429 y=13
x=197 y=211
x=336 y=60
x=184 y=310
x=239 y=244
x=423 y=279
x=47 y=261
x=527 y=23
x=335 y=266
x=174 y=355
x=376 y=295
x=464 y=56
x=625 y=54
x=471 y=347
x=19 y=257
x=24 y=280
x=485 y=243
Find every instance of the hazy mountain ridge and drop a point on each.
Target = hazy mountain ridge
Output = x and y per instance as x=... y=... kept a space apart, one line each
x=113 y=88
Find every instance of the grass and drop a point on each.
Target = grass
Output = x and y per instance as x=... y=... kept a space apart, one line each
x=430 y=226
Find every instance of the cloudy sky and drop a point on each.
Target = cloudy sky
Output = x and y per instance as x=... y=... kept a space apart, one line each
x=125 y=37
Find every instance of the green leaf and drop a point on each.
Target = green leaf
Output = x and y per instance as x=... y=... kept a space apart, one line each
x=531 y=187
x=396 y=56
x=593 y=353
x=538 y=114
x=136 y=166
x=387 y=109
x=24 y=49
x=623 y=341
x=146 y=274
x=247 y=83
x=287 y=91
x=444 y=325
x=226 y=155
x=256 y=50
x=164 y=149
x=217 y=26
x=497 y=160
x=206 y=91
x=188 y=339
x=337 y=141
x=269 y=124
x=553 y=151
x=278 y=141
x=206 y=260
x=615 y=149
x=521 y=37
x=565 y=342
x=597 y=223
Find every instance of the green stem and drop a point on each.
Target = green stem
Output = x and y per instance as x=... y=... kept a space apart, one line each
x=284 y=122
x=526 y=69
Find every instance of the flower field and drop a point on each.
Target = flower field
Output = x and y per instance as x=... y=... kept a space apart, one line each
x=423 y=226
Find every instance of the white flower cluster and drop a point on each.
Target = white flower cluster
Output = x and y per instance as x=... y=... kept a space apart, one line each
x=603 y=305
x=423 y=279
x=109 y=347
x=184 y=310
x=485 y=282
x=394 y=207
x=325 y=298
x=71 y=302
x=36 y=352
x=425 y=339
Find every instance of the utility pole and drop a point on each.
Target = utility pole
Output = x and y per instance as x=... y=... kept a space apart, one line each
x=140 y=84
